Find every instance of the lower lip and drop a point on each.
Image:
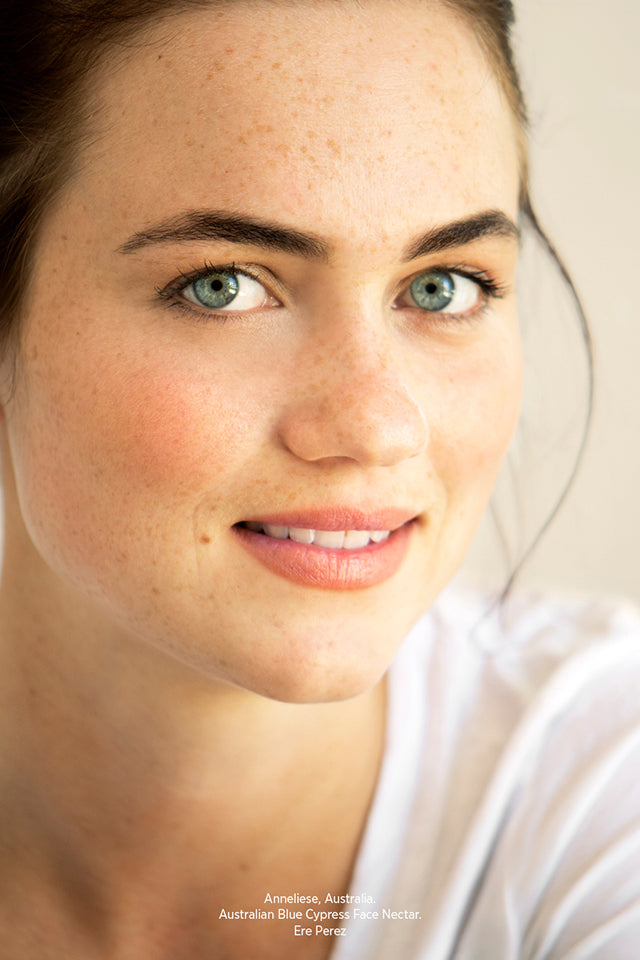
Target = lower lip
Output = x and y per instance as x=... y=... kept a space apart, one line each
x=327 y=569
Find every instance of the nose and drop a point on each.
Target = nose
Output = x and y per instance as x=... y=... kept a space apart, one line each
x=352 y=400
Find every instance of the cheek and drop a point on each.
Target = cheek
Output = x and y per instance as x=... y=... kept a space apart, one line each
x=164 y=432
x=478 y=415
x=122 y=453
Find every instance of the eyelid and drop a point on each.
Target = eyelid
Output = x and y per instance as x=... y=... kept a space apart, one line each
x=484 y=278
x=172 y=290
x=490 y=287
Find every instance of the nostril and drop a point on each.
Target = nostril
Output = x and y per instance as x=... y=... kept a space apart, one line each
x=372 y=423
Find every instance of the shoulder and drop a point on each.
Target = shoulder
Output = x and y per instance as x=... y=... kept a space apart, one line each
x=536 y=645
x=509 y=681
x=542 y=686
x=566 y=790
x=508 y=813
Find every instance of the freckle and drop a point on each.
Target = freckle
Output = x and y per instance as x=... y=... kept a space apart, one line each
x=155 y=591
x=205 y=539
x=276 y=66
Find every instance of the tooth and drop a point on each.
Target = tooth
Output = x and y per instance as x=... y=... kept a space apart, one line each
x=252 y=525
x=355 y=539
x=329 y=538
x=301 y=535
x=379 y=535
x=280 y=533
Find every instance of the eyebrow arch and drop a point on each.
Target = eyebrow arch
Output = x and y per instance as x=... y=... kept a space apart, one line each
x=212 y=225
x=489 y=223
x=233 y=227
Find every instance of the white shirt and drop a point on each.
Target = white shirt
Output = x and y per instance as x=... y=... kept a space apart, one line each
x=507 y=813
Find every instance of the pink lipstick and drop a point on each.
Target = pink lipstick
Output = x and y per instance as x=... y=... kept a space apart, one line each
x=331 y=549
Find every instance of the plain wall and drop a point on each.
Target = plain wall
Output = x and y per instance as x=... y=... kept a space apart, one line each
x=580 y=66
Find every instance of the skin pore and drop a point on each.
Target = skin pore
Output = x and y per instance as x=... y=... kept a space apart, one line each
x=180 y=724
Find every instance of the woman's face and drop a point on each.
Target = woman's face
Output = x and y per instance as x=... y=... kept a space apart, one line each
x=223 y=328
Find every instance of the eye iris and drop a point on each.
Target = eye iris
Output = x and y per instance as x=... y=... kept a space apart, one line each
x=216 y=289
x=433 y=291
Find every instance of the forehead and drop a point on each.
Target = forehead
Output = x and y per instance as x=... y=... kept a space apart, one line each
x=318 y=112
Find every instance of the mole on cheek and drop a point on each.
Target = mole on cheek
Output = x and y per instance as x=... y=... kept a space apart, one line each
x=205 y=539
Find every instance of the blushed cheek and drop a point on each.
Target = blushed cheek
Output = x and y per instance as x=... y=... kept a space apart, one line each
x=164 y=433
x=106 y=462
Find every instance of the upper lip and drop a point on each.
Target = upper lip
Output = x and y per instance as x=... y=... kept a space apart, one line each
x=337 y=518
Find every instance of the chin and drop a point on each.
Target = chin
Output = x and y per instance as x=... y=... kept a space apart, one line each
x=332 y=666
x=320 y=649
x=311 y=687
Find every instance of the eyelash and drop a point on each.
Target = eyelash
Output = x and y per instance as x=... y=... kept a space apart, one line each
x=170 y=294
x=490 y=290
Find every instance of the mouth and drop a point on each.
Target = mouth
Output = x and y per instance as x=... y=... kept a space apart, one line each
x=328 y=539
x=330 y=550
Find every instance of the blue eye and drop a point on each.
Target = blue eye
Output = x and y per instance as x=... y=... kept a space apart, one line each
x=227 y=289
x=444 y=291
x=216 y=291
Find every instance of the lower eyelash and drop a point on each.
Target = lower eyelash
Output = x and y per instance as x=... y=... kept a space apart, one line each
x=191 y=312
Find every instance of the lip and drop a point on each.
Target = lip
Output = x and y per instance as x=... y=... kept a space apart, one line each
x=329 y=569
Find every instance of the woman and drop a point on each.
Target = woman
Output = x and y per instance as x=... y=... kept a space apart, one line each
x=261 y=368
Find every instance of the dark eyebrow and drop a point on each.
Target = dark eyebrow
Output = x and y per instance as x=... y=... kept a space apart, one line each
x=234 y=227
x=207 y=225
x=490 y=223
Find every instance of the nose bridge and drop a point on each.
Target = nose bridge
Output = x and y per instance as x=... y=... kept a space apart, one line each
x=354 y=399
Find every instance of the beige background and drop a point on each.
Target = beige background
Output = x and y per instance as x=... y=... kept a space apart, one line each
x=580 y=65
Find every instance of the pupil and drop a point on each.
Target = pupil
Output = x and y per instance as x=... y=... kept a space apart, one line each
x=431 y=288
x=216 y=285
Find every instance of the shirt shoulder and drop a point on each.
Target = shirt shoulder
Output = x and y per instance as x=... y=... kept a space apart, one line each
x=525 y=830
x=563 y=878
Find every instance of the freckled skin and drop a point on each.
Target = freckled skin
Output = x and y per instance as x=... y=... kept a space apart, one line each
x=139 y=435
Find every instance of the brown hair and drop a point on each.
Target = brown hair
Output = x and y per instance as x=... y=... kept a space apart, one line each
x=50 y=46
x=492 y=21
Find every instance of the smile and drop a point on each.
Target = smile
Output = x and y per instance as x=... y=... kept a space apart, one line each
x=329 y=539
x=347 y=556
